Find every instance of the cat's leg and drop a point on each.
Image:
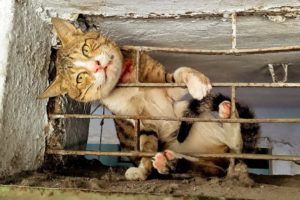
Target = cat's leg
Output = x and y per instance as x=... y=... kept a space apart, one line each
x=168 y=161
x=148 y=143
x=197 y=83
x=233 y=136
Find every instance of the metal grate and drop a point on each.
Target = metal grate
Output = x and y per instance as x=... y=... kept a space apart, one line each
x=232 y=51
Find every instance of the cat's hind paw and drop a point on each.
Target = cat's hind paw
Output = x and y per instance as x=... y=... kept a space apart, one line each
x=225 y=110
x=135 y=174
x=164 y=162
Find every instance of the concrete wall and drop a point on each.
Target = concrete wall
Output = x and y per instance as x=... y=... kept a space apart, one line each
x=25 y=51
x=162 y=8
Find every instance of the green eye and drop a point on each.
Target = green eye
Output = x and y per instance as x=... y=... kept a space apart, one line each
x=85 y=50
x=81 y=77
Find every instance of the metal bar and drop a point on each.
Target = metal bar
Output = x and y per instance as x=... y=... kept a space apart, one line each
x=137 y=134
x=137 y=67
x=233 y=24
x=240 y=120
x=233 y=100
x=170 y=85
x=197 y=155
x=213 y=52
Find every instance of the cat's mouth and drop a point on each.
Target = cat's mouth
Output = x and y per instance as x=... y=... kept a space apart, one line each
x=104 y=68
x=100 y=76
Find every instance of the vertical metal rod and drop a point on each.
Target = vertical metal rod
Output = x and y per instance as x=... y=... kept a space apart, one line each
x=137 y=66
x=137 y=122
x=137 y=135
x=233 y=100
x=101 y=130
x=233 y=24
x=233 y=116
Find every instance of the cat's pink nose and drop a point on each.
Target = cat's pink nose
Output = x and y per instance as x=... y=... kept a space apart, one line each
x=94 y=66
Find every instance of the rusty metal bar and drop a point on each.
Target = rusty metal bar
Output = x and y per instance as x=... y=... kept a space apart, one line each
x=137 y=67
x=233 y=24
x=265 y=85
x=137 y=135
x=233 y=100
x=213 y=52
x=256 y=120
x=151 y=154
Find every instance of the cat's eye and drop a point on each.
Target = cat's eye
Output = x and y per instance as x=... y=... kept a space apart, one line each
x=85 y=50
x=80 y=77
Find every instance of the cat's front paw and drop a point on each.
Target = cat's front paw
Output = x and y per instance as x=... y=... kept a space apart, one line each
x=197 y=83
x=135 y=174
x=198 y=87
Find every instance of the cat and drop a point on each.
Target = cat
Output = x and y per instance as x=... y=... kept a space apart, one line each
x=88 y=68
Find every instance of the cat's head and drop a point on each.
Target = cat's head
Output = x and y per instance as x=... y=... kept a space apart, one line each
x=88 y=64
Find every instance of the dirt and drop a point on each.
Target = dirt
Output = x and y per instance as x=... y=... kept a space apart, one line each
x=95 y=177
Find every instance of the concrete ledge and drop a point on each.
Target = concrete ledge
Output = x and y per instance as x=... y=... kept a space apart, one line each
x=24 y=60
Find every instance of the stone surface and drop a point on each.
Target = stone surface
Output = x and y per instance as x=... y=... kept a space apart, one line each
x=24 y=62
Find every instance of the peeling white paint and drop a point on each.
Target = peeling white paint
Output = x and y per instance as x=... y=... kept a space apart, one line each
x=164 y=8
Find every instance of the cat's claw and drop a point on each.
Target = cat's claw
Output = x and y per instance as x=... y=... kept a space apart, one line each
x=225 y=110
x=135 y=174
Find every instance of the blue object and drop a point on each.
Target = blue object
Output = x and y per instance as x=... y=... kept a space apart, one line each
x=111 y=161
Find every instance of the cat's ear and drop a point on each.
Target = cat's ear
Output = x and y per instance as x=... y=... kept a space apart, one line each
x=53 y=90
x=64 y=30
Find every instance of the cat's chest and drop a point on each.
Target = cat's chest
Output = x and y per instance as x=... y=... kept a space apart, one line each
x=122 y=101
x=139 y=101
x=146 y=102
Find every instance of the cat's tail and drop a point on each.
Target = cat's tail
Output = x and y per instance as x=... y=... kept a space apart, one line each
x=250 y=131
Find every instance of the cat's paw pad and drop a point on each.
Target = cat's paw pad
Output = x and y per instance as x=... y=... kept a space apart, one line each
x=159 y=162
x=162 y=162
x=135 y=174
x=170 y=155
x=198 y=87
x=225 y=110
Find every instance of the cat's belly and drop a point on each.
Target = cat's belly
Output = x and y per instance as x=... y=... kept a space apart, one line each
x=203 y=138
x=159 y=104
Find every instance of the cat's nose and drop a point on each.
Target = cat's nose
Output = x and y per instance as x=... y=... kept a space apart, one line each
x=94 y=66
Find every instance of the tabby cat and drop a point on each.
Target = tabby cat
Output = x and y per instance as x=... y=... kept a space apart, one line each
x=88 y=68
